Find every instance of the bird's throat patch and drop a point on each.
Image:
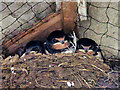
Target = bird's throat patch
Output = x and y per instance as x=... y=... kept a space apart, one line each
x=59 y=45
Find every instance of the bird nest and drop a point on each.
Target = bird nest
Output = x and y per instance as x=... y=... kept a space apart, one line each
x=76 y=70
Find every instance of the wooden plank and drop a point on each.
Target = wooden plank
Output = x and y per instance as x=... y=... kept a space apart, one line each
x=69 y=11
x=39 y=32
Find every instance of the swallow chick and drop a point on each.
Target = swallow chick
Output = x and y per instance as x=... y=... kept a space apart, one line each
x=58 y=42
x=35 y=45
x=90 y=47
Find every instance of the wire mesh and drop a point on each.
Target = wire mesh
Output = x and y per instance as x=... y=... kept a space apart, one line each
x=22 y=16
x=91 y=27
x=37 y=15
x=86 y=29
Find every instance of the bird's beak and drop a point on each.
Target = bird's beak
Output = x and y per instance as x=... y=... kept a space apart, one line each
x=86 y=49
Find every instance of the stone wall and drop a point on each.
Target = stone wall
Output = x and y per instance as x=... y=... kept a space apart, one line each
x=19 y=16
x=102 y=26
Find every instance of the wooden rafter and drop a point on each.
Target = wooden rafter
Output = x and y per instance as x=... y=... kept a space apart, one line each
x=38 y=32
x=63 y=19
x=69 y=15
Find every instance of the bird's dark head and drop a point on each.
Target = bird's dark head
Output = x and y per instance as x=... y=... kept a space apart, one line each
x=86 y=45
x=57 y=40
x=56 y=35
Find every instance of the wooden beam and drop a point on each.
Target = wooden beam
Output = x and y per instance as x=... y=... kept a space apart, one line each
x=69 y=11
x=38 y=32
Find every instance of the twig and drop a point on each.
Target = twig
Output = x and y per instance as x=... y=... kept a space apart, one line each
x=84 y=70
x=98 y=68
x=84 y=80
x=39 y=84
x=78 y=79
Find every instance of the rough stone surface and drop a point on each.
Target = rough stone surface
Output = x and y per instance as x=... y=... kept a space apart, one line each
x=20 y=16
x=97 y=26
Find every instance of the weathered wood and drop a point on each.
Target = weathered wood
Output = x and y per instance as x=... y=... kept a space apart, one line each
x=39 y=32
x=69 y=11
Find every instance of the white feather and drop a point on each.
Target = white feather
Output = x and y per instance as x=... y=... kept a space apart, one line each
x=72 y=84
x=69 y=84
x=23 y=55
x=12 y=68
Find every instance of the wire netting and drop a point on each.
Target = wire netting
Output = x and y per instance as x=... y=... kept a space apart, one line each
x=37 y=70
x=102 y=26
x=19 y=16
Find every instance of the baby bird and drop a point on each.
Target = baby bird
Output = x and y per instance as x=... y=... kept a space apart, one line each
x=58 y=42
x=90 y=47
x=31 y=46
x=35 y=46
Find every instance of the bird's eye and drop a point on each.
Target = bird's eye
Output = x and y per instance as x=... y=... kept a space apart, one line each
x=54 y=40
x=62 y=41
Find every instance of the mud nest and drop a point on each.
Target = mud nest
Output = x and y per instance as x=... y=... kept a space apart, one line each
x=76 y=70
